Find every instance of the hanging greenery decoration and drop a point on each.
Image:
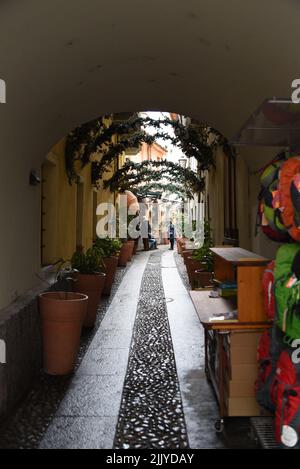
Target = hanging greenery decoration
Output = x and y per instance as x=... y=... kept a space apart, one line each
x=158 y=189
x=133 y=175
x=96 y=138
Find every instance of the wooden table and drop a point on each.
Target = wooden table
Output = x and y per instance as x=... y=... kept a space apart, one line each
x=218 y=330
x=207 y=307
x=239 y=256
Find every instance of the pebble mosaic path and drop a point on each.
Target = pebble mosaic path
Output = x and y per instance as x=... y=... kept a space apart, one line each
x=151 y=413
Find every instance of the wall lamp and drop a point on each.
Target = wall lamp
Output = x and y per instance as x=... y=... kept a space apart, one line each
x=34 y=179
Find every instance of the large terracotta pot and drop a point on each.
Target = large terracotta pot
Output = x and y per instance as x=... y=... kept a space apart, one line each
x=178 y=245
x=181 y=245
x=201 y=279
x=130 y=250
x=187 y=253
x=192 y=265
x=123 y=256
x=62 y=318
x=111 y=264
x=92 y=286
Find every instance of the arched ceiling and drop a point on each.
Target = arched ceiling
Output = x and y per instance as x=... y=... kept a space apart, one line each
x=66 y=62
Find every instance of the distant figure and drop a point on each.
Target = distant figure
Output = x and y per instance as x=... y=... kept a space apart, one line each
x=171 y=235
x=152 y=241
x=145 y=229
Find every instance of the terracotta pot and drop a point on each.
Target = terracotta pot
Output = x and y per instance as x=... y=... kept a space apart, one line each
x=92 y=286
x=111 y=264
x=182 y=245
x=192 y=265
x=62 y=318
x=179 y=240
x=201 y=278
x=131 y=244
x=187 y=253
x=123 y=256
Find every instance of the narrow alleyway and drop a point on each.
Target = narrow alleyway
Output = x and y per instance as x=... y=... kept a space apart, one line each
x=141 y=383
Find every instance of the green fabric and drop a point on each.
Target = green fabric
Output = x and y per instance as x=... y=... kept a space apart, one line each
x=286 y=298
x=273 y=219
x=270 y=173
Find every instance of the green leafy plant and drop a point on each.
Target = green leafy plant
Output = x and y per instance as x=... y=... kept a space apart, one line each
x=195 y=140
x=108 y=247
x=204 y=254
x=89 y=262
x=135 y=176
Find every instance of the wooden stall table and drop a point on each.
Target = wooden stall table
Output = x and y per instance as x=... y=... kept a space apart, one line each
x=231 y=344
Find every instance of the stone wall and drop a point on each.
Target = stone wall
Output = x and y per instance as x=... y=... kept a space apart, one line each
x=21 y=332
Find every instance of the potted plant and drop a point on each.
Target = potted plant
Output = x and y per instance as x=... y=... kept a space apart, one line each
x=89 y=278
x=186 y=253
x=203 y=273
x=132 y=242
x=110 y=249
x=62 y=316
x=127 y=247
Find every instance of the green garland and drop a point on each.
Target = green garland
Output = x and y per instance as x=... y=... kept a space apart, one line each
x=195 y=140
x=157 y=189
x=134 y=174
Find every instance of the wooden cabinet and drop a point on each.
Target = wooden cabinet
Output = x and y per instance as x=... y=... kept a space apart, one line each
x=231 y=367
x=246 y=268
x=231 y=344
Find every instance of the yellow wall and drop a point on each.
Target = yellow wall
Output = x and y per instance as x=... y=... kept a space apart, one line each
x=68 y=211
x=242 y=204
x=58 y=208
x=215 y=191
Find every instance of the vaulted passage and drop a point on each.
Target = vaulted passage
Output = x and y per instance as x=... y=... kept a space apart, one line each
x=163 y=343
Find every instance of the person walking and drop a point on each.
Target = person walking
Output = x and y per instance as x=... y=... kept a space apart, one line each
x=171 y=235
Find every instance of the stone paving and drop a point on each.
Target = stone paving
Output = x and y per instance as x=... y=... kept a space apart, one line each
x=151 y=414
x=27 y=427
x=139 y=381
x=199 y=402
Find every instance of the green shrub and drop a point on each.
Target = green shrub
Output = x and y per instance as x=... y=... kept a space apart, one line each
x=204 y=254
x=88 y=263
x=108 y=247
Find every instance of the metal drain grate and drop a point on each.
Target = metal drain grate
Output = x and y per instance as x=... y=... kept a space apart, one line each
x=263 y=428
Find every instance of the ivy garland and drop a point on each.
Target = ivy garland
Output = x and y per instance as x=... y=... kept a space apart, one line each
x=147 y=172
x=195 y=140
x=79 y=147
x=157 y=189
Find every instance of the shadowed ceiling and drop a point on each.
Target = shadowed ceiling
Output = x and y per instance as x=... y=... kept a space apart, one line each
x=66 y=62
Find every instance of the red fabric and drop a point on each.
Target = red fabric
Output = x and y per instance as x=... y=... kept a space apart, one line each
x=275 y=235
x=288 y=171
x=287 y=405
x=264 y=360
